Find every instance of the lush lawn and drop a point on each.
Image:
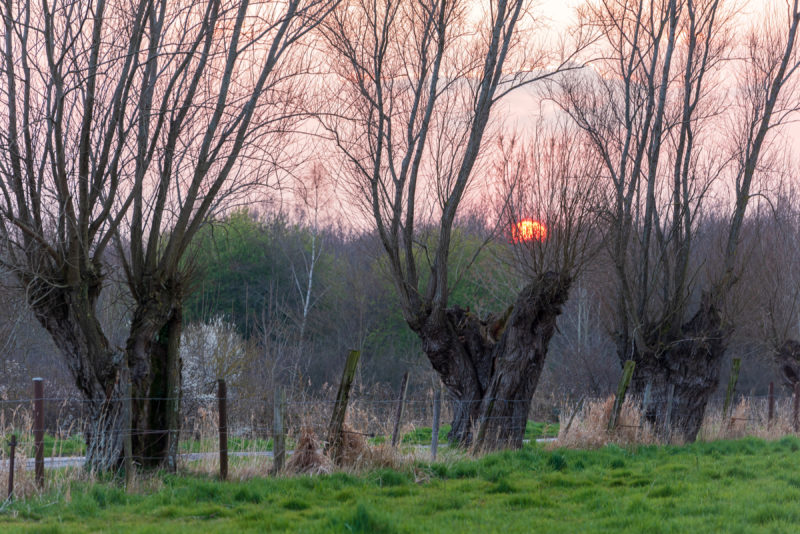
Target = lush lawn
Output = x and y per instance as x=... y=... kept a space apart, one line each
x=735 y=486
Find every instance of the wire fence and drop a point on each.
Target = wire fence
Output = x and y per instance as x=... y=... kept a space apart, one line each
x=250 y=420
x=212 y=427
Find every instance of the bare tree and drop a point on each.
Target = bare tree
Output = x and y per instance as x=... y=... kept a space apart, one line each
x=773 y=281
x=129 y=123
x=653 y=108
x=549 y=193
x=412 y=91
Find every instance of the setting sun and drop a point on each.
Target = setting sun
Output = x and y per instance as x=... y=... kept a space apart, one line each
x=528 y=230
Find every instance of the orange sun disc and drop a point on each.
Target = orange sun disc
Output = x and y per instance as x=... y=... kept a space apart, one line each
x=528 y=230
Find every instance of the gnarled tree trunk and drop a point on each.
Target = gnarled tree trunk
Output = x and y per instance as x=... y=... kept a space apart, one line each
x=518 y=362
x=153 y=351
x=152 y=355
x=491 y=367
x=788 y=357
x=689 y=361
x=67 y=312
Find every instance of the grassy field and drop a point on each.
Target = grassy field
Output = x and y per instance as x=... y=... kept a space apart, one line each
x=730 y=486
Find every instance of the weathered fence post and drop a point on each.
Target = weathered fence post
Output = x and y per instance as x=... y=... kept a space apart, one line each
x=575 y=411
x=222 y=402
x=437 y=409
x=12 y=446
x=796 y=410
x=731 y=386
x=279 y=431
x=127 y=443
x=668 y=415
x=646 y=399
x=648 y=392
x=627 y=373
x=38 y=429
x=400 y=407
x=771 y=403
x=340 y=407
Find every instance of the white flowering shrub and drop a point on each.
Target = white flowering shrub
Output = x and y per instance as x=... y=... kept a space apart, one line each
x=209 y=351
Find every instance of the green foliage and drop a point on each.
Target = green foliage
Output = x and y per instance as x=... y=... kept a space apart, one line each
x=239 y=261
x=245 y=268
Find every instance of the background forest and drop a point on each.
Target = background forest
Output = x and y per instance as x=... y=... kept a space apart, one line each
x=257 y=313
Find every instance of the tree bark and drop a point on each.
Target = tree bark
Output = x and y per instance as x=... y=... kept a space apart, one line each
x=154 y=352
x=788 y=357
x=689 y=359
x=518 y=362
x=459 y=352
x=491 y=367
x=67 y=312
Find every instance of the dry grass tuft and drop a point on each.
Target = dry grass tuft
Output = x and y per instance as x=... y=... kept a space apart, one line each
x=19 y=422
x=356 y=455
x=589 y=428
x=382 y=456
x=353 y=448
x=749 y=417
x=307 y=459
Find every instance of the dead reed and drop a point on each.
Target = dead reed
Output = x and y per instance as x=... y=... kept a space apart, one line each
x=588 y=428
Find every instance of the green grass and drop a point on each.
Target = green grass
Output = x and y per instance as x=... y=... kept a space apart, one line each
x=71 y=446
x=731 y=486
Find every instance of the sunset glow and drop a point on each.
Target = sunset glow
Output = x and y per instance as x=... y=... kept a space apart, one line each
x=528 y=230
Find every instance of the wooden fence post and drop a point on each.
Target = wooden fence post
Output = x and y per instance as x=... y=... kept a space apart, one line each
x=400 y=408
x=279 y=431
x=627 y=373
x=646 y=399
x=38 y=429
x=334 y=441
x=796 y=407
x=12 y=445
x=437 y=408
x=731 y=386
x=668 y=415
x=771 y=403
x=127 y=443
x=222 y=403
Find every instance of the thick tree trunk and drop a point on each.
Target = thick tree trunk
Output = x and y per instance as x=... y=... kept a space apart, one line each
x=459 y=351
x=154 y=353
x=105 y=431
x=788 y=357
x=690 y=362
x=518 y=362
x=68 y=314
x=491 y=367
